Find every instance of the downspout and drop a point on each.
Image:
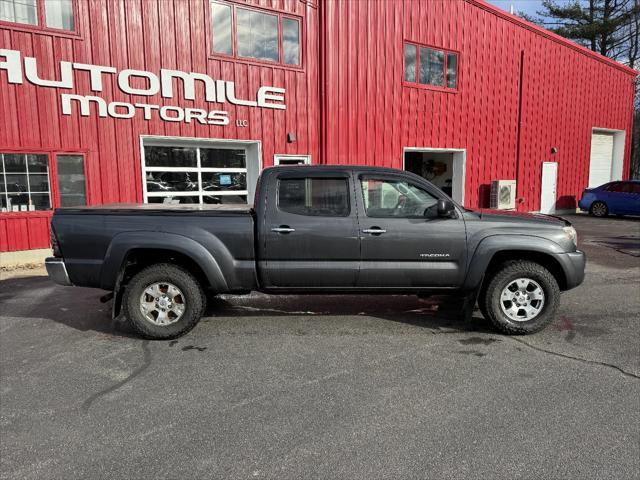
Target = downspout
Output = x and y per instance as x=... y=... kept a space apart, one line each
x=322 y=81
x=519 y=200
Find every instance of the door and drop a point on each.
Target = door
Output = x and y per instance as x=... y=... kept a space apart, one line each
x=311 y=233
x=548 y=188
x=601 y=159
x=404 y=243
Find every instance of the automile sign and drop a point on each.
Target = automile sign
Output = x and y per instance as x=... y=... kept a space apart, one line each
x=140 y=83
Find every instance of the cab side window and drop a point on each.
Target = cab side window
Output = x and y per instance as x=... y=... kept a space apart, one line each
x=325 y=197
x=390 y=198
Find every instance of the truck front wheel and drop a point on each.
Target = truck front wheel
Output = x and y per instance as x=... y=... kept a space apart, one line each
x=522 y=297
x=163 y=301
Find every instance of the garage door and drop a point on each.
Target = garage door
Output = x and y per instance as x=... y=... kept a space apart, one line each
x=601 y=159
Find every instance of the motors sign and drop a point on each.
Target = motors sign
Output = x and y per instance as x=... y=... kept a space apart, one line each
x=140 y=83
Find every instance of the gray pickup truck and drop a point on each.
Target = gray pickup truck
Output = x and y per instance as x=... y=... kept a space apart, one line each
x=317 y=229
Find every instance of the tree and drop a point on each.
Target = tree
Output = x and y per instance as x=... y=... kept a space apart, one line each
x=609 y=27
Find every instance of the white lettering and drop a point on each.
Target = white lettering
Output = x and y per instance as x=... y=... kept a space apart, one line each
x=231 y=95
x=113 y=110
x=218 y=117
x=95 y=72
x=188 y=84
x=84 y=102
x=12 y=65
x=147 y=109
x=31 y=72
x=270 y=93
x=221 y=97
x=164 y=114
x=195 y=113
x=124 y=82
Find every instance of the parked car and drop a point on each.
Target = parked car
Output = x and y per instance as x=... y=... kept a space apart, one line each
x=617 y=198
x=318 y=229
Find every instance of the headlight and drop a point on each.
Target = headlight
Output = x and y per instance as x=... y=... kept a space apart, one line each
x=571 y=234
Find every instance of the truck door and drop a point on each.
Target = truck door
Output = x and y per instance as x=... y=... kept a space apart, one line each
x=403 y=241
x=310 y=232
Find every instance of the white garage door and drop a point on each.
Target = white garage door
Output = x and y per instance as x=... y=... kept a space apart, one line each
x=601 y=159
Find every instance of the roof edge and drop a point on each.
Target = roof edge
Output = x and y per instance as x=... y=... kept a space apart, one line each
x=483 y=4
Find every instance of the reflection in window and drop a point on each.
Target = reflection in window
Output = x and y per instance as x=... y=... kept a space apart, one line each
x=395 y=198
x=410 y=62
x=24 y=182
x=257 y=35
x=19 y=11
x=264 y=36
x=290 y=41
x=327 y=197
x=195 y=175
x=452 y=70
x=59 y=14
x=223 y=158
x=221 y=25
x=71 y=180
x=431 y=67
x=170 y=157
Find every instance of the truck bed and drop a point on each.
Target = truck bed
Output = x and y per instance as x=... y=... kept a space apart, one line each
x=158 y=209
x=96 y=242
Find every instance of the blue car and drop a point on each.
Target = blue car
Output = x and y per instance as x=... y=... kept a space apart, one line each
x=616 y=198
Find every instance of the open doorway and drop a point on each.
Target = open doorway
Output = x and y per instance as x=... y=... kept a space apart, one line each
x=443 y=167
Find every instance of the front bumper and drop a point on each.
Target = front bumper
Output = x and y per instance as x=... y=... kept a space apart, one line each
x=57 y=271
x=584 y=205
x=573 y=264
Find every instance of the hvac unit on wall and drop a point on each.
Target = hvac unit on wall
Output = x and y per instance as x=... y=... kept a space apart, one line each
x=503 y=194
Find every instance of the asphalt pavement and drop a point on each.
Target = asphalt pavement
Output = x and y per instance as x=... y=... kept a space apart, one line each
x=354 y=387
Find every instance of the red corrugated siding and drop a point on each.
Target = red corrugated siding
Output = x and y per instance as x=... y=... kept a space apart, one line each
x=365 y=114
x=125 y=34
x=566 y=92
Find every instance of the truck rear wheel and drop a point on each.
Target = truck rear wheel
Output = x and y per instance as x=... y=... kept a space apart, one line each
x=163 y=301
x=522 y=297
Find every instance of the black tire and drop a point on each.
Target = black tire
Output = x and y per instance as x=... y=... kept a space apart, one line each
x=489 y=299
x=194 y=301
x=599 y=209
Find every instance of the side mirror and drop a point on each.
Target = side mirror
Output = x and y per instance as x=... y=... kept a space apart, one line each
x=445 y=207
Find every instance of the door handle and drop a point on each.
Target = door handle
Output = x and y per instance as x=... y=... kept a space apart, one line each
x=374 y=231
x=283 y=229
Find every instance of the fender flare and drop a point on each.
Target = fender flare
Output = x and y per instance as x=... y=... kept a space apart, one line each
x=490 y=246
x=123 y=243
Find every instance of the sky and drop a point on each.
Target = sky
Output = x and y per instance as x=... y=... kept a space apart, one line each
x=525 y=6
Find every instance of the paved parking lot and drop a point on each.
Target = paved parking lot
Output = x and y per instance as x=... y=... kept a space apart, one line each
x=328 y=387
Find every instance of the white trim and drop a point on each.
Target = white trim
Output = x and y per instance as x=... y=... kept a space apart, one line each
x=459 y=168
x=277 y=157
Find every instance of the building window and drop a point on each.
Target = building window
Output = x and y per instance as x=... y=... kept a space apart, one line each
x=26 y=179
x=326 y=197
x=55 y=14
x=254 y=34
x=210 y=175
x=71 y=180
x=25 y=182
x=430 y=67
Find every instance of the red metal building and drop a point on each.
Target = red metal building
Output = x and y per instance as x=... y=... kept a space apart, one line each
x=187 y=100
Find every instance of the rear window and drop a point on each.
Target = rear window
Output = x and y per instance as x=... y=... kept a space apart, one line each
x=326 y=197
